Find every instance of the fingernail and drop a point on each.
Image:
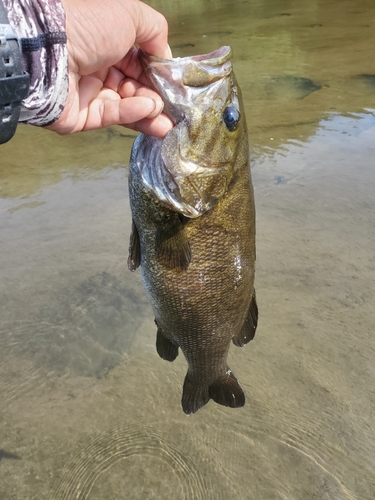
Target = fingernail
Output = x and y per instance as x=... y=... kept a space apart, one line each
x=169 y=52
x=161 y=107
x=158 y=108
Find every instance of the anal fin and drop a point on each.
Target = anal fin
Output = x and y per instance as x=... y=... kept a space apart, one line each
x=134 y=259
x=248 y=329
x=166 y=349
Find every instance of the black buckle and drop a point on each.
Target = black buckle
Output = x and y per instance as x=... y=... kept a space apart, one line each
x=12 y=90
x=14 y=82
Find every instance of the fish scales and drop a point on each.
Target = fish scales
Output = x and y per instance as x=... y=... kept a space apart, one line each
x=193 y=229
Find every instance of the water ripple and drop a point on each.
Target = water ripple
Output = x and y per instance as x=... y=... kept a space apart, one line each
x=102 y=450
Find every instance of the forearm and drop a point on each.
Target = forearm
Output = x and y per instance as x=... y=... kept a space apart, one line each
x=40 y=24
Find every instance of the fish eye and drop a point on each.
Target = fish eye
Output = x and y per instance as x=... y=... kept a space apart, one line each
x=231 y=117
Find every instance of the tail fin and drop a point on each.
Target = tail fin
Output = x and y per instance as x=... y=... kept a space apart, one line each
x=194 y=396
x=225 y=391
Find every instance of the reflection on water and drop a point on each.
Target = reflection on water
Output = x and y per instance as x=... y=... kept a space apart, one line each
x=35 y=159
x=88 y=410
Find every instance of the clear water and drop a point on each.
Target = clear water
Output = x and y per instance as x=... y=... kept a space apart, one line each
x=87 y=408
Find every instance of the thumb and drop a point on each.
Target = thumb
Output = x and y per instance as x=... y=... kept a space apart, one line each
x=152 y=32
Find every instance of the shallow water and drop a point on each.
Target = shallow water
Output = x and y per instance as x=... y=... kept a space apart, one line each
x=87 y=408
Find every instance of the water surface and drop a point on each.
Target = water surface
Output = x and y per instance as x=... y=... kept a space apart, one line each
x=87 y=408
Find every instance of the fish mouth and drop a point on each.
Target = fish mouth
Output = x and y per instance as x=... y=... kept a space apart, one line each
x=177 y=80
x=196 y=70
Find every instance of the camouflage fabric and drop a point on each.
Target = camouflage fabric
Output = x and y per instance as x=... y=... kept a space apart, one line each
x=40 y=26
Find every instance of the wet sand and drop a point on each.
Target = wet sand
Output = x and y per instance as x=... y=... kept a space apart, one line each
x=87 y=408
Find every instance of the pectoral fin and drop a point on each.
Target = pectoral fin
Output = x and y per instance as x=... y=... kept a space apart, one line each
x=247 y=332
x=172 y=245
x=134 y=259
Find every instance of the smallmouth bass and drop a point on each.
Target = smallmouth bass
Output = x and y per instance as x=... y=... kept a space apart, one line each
x=193 y=229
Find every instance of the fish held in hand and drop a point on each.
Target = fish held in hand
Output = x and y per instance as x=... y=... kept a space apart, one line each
x=193 y=229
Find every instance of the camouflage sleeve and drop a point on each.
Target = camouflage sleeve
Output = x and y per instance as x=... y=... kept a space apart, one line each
x=40 y=26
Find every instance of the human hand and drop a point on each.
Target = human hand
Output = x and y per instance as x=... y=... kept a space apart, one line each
x=106 y=81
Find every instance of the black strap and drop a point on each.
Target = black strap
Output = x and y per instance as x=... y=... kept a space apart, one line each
x=43 y=40
x=14 y=82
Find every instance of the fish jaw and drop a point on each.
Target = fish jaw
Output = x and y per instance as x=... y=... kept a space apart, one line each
x=180 y=80
x=199 y=155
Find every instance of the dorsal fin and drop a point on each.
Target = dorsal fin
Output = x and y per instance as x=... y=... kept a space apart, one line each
x=249 y=327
